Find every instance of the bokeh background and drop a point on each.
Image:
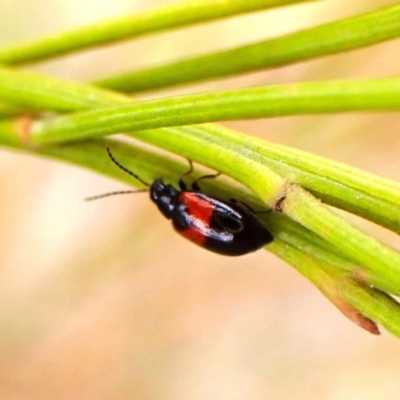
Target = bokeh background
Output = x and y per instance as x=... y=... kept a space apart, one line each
x=103 y=301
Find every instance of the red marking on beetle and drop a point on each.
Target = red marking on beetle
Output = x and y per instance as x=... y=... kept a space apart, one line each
x=200 y=212
x=194 y=235
x=198 y=208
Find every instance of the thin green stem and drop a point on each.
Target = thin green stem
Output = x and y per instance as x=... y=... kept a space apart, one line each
x=363 y=305
x=38 y=92
x=260 y=102
x=339 y=36
x=371 y=255
x=362 y=193
x=374 y=304
x=156 y=20
x=9 y=110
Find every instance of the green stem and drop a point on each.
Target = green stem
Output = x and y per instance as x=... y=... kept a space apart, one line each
x=335 y=37
x=375 y=304
x=9 y=110
x=371 y=255
x=156 y=20
x=260 y=102
x=337 y=184
x=358 y=302
x=38 y=92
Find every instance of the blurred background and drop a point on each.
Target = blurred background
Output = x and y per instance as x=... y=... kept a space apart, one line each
x=103 y=300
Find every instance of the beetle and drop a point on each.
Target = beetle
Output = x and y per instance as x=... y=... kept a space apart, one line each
x=227 y=227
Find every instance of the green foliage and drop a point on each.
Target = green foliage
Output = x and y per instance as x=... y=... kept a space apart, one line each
x=355 y=271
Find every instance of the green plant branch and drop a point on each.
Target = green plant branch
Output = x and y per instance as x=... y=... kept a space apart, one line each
x=218 y=153
x=366 y=195
x=363 y=305
x=127 y=27
x=343 y=173
x=44 y=93
x=374 y=304
x=149 y=165
x=373 y=257
x=312 y=256
x=236 y=161
x=9 y=110
x=318 y=250
x=340 y=260
x=356 y=191
x=331 y=38
x=259 y=102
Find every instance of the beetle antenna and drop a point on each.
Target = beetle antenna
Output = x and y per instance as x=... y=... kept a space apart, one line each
x=124 y=168
x=100 y=196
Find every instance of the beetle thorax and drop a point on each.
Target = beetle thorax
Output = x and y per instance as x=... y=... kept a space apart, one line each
x=165 y=196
